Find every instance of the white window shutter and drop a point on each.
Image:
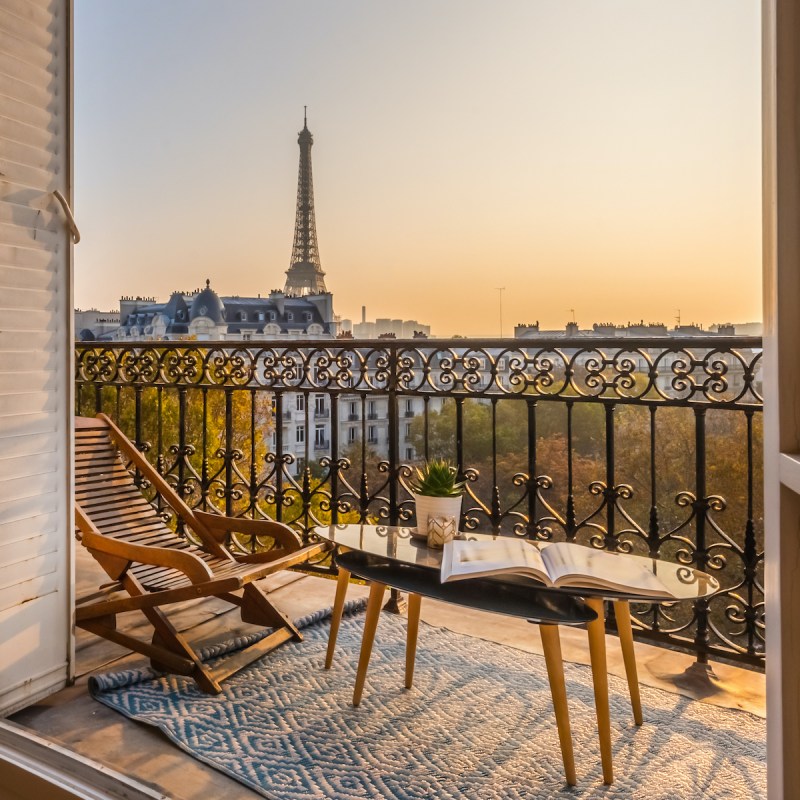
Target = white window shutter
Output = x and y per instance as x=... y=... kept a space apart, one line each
x=36 y=539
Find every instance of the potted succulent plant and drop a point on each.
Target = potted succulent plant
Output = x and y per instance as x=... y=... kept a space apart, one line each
x=437 y=492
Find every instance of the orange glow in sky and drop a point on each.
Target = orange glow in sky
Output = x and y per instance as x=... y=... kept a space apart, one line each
x=595 y=155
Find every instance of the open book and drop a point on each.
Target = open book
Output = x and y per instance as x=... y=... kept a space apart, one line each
x=572 y=565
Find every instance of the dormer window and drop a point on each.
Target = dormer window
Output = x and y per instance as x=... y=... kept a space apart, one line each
x=242 y=316
x=180 y=315
x=272 y=316
x=289 y=316
x=308 y=315
x=260 y=316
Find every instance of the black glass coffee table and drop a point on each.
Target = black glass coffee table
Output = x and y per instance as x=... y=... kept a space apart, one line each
x=406 y=564
x=392 y=556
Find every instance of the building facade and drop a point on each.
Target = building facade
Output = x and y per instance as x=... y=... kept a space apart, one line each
x=203 y=315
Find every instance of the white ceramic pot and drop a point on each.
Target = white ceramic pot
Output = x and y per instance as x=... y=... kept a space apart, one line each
x=434 y=507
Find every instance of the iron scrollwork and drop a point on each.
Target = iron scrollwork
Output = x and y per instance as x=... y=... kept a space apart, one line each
x=611 y=491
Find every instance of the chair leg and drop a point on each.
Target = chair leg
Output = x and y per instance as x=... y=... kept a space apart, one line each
x=376 y=591
x=622 y=611
x=342 y=583
x=166 y=636
x=551 y=645
x=414 y=603
x=597 y=652
x=160 y=657
x=257 y=609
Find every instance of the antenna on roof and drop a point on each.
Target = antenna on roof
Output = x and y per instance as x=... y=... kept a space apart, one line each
x=305 y=115
x=500 y=290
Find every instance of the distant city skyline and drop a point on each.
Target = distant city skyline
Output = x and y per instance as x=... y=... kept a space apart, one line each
x=599 y=158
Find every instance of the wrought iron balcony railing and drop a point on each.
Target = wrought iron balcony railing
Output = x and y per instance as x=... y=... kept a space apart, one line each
x=649 y=446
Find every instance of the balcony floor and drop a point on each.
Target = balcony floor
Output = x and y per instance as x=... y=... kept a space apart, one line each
x=78 y=722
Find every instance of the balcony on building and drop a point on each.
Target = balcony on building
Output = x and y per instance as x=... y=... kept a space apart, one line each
x=708 y=389
x=589 y=458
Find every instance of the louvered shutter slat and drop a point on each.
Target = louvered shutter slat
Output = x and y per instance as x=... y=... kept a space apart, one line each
x=35 y=352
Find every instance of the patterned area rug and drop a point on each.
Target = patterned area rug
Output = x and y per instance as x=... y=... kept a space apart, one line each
x=477 y=724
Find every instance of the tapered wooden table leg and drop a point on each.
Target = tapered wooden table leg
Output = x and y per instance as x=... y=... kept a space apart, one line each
x=336 y=615
x=551 y=645
x=376 y=591
x=622 y=611
x=597 y=652
x=414 y=603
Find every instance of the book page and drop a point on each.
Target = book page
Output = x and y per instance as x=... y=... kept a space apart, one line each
x=465 y=559
x=576 y=565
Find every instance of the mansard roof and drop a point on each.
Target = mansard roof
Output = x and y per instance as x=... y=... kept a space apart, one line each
x=208 y=304
x=258 y=312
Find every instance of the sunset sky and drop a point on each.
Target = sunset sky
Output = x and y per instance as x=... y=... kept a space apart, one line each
x=595 y=155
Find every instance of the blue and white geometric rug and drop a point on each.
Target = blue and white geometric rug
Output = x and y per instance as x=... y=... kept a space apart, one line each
x=478 y=724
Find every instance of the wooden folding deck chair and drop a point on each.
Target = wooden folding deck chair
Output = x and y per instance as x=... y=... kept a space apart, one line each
x=151 y=566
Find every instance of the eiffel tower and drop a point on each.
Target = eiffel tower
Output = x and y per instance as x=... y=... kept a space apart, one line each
x=305 y=275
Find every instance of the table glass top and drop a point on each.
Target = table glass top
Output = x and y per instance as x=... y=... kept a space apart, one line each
x=398 y=544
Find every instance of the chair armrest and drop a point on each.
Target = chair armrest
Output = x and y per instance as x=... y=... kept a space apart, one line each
x=118 y=556
x=220 y=526
x=277 y=553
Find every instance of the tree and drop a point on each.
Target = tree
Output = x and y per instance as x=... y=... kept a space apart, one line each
x=674 y=458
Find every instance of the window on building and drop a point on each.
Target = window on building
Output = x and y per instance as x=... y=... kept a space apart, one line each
x=301 y=402
x=289 y=316
x=352 y=435
x=353 y=413
x=242 y=316
x=409 y=453
x=371 y=410
x=309 y=316
x=272 y=316
x=372 y=434
x=408 y=429
x=300 y=434
x=260 y=316
x=319 y=405
x=319 y=435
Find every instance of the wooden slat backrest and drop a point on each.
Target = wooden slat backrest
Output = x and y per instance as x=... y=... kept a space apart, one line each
x=167 y=493
x=106 y=493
